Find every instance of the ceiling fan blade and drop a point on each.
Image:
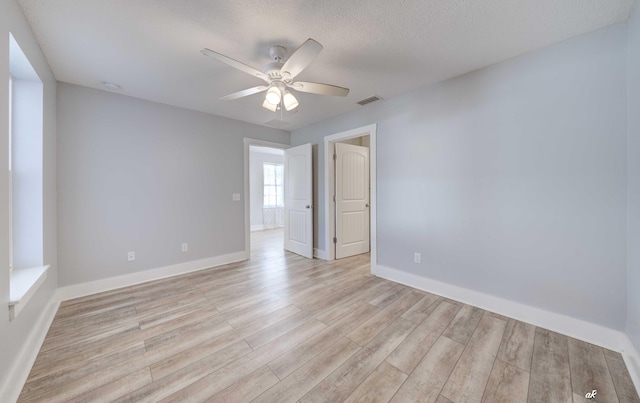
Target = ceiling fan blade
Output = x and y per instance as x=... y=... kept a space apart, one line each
x=244 y=93
x=301 y=58
x=318 y=88
x=234 y=63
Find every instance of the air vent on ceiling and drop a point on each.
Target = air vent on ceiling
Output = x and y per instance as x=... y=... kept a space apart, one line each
x=277 y=123
x=369 y=100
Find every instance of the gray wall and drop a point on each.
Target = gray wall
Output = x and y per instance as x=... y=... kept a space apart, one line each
x=510 y=180
x=140 y=176
x=256 y=183
x=14 y=334
x=633 y=241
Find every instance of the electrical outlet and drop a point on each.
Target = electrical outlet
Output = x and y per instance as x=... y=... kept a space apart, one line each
x=131 y=256
x=185 y=247
x=417 y=257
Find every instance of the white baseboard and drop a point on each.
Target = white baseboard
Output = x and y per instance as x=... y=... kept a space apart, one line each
x=320 y=254
x=19 y=370
x=579 y=329
x=255 y=228
x=112 y=283
x=632 y=360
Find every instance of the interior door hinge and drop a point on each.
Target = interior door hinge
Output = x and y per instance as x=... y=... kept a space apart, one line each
x=335 y=157
x=335 y=240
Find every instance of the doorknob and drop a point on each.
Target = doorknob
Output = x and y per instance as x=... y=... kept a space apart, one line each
x=308 y=206
x=366 y=205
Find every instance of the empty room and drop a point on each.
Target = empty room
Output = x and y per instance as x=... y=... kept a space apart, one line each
x=320 y=201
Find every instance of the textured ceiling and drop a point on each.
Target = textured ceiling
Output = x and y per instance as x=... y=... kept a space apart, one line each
x=374 y=47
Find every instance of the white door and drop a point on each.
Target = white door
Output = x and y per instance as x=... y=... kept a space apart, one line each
x=352 y=200
x=298 y=200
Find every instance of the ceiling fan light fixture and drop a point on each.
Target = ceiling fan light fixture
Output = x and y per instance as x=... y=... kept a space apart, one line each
x=290 y=102
x=279 y=75
x=273 y=96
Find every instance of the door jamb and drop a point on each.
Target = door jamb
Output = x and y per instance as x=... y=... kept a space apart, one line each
x=329 y=189
x=247 y=196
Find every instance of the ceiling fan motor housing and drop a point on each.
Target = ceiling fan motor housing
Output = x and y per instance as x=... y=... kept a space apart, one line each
x=273 y=70
x=277 y=53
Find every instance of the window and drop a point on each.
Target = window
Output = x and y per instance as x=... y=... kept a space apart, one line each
x=273 y=185
x=25 y=160
x=26 y=130
x=10 y=176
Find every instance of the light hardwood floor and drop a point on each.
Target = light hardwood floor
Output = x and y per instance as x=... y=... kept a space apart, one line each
x=281 y=328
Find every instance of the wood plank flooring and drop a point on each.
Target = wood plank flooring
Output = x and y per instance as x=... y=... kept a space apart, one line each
x=281 y=328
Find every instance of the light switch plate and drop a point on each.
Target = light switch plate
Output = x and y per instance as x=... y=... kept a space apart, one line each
x=236 y=197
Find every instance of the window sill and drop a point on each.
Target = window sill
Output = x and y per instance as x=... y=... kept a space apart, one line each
x=23 y=286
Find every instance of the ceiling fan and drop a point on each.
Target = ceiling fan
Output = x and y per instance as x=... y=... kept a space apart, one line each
x=279 y=76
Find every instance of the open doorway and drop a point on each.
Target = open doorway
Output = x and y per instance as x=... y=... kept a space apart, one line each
x=266 y=182
x=361 y=145
x=264 y=198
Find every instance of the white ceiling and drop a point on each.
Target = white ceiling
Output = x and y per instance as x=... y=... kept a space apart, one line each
x=374 y=47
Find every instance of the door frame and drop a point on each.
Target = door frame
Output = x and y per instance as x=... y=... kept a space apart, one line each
x=329 y=187
x=247 y=195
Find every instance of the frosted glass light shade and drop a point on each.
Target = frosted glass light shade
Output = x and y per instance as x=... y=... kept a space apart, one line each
x=290 y=102
x=273 y=96
x=267 y=105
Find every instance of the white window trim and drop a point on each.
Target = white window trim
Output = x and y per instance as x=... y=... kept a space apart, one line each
x=23 y=285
